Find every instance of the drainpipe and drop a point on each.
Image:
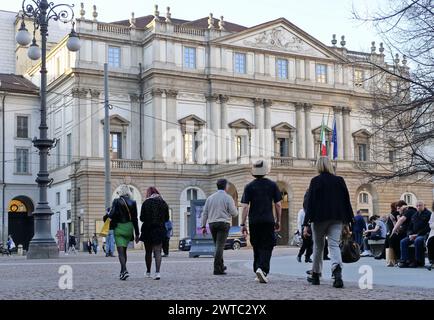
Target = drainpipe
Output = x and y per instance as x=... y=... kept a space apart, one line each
x=3 y=169
x=141 y=110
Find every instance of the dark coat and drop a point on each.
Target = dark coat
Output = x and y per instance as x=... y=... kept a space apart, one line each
x=120 y=214
x=154 y=215
x=328 y=199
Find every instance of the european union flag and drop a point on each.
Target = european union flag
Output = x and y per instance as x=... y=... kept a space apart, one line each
x=335 y=140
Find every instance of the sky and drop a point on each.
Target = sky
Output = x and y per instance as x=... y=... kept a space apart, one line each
x=319 y=18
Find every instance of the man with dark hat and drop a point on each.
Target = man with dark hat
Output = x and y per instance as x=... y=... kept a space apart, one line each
x=258 y=199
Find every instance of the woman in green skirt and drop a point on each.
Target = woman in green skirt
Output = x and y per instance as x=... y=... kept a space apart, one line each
x=123 y=215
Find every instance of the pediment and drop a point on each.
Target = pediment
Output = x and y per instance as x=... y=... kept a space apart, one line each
x=192 y=119
x=117 y=120
x=317 y=130
x=362 y=133
x=241 y=124
x=282 y=36
x=283 y=126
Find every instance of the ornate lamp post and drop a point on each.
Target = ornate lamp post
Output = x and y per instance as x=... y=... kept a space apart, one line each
x=41 y=12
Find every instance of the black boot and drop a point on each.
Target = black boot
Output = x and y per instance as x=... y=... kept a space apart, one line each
x=337 y=276
x=314 y=278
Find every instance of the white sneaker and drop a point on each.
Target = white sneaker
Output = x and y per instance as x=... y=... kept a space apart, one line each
x=261 y=276
x=157 y=276
x=147 y=274
x=366 y=253
x=256 y=279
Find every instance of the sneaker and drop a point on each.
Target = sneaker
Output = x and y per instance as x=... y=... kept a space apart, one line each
x=308 y=260
x=429 y=267
x=147 y=275
x=124 y=275
x=157 y=276
x=366 y=253
x=256 y=279
x=403 y=265
x=298 y=258
x=314 y=279
x=261 y=276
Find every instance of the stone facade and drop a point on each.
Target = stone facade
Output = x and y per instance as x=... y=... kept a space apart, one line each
x=193 y=102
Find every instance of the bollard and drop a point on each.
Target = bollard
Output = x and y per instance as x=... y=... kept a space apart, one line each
x=20 y=250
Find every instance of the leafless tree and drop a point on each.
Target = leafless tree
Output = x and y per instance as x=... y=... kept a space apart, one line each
x=402 y=108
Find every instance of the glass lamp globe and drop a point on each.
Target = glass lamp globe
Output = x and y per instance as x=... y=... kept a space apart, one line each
x=23 y=36
x=73 y=43
x=34 y=52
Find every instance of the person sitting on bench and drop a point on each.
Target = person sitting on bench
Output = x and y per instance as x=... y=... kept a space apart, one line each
x=379 y=232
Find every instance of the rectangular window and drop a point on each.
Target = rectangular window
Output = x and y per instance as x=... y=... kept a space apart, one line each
x=68 y=217
x=358 y=78
x=283 y=147
x=191 y=194
x=57 y=198
x=363 y=152
x=240 y=63
x=190 y=57
x=321 y=73
x=68 y=196
x=69 y=148
x=241 y=146
x=114 y=57
x=58 y=153
x=22 y=127
x=392 y=156
x=282 y=68
x=22 y=160
x=78 y=194
x=189 y=147
x=115 y=145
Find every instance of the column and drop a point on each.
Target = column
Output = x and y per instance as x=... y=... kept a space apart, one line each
x=213 y=124
x=225 y=136
x=308 y=130
x=338 y=115
x=171 y=125
x=78 y=114
x=134 y=133
x=157 y=124
x=258 y=136
x=268 y=137
x=346 y=129
x=95 y=122
x=299 y=131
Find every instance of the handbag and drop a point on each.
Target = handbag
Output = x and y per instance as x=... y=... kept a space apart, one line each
x=105 y=228
x=350 y=250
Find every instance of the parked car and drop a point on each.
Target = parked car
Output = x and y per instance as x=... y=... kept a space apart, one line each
x=236 y=240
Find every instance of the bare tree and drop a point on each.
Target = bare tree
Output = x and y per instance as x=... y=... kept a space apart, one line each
x=402 y=108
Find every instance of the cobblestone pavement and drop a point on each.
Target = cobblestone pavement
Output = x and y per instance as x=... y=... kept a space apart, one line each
x=96 y=277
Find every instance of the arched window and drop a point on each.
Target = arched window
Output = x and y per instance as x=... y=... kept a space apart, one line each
x=363 y=198
x=409 y=198
x=188 y=194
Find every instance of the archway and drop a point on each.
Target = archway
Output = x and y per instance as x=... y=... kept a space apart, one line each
x=367 y=200
x=232 y=191
x=20 y=220
x=285 y=221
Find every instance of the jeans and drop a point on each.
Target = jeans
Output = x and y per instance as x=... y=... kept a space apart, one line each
x=358 y=238
x=430 y=247
x=395 y=243
x=219 y=232
x=419 y=249
x=110 y=242
x=306 y=246
x=333 y=230
x=262 y=240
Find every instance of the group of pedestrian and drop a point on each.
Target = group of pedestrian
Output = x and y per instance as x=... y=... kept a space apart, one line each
x=154 y=215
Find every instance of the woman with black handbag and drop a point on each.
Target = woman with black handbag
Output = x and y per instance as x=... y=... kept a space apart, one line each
x=329 y=211
x=124 y=216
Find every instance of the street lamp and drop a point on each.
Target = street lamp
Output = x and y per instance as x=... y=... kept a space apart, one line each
x=41 y=12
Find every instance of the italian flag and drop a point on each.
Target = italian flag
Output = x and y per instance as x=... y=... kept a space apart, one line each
x=323 y=139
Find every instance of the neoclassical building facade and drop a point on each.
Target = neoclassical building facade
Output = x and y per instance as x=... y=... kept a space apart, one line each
x=194 y=101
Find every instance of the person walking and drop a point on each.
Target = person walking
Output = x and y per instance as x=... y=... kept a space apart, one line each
x=257 y=200
x=218 y=212
x=95 y=243
x=10 y=245
x=430 y=241
x=169 y=234
x=154 y=214
x=358 y=228
x=110 y=239
x=71 y=244
x=307 y=245
x=329 y=212
x=123 y=214
x=89 y=246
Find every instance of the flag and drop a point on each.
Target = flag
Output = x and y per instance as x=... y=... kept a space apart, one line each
x=335 y=140
x=323 y=140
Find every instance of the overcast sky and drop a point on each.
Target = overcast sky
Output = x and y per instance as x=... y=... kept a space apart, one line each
x=320 y=18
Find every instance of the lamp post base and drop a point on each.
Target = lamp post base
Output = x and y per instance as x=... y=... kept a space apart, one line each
x=45 y=249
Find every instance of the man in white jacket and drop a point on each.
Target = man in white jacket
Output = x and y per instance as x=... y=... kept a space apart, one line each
x=307 y=245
